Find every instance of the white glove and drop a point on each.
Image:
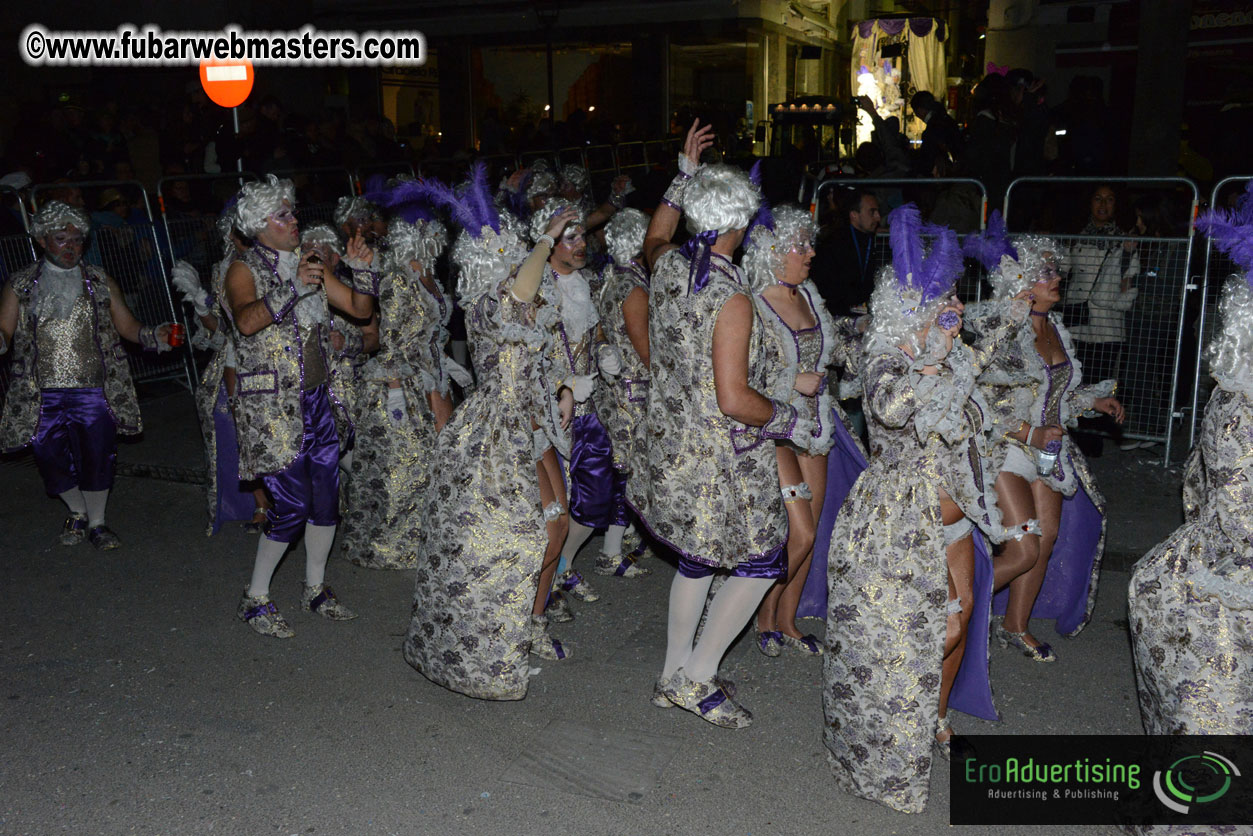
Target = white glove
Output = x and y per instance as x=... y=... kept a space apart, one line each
x=457 y=372
x=396 y=404
x=581 y=387
x=187 y=281
x=610 y=360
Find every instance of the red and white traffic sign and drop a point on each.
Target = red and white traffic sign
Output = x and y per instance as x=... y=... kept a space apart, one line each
x=227 y=83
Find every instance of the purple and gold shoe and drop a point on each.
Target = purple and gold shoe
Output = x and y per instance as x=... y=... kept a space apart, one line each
x=770 y=642
x=103 y=538
x=321 y=600
x=807 y=644
x=558 y=608
x=620 y=566
x=75 y=530
x=660 y=699
x=1040 y=652
x=573 y=583
x=544 y=645
x=707 y=700
x=259 y=613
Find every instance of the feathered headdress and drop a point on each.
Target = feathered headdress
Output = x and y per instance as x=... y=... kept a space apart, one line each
x=988 y=246
x=406 y=199
x=764 y=217
x=1232 y=231
x=472 y=210
x=932 y=275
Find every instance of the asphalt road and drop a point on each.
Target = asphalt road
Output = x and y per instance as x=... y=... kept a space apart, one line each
x=135 y=702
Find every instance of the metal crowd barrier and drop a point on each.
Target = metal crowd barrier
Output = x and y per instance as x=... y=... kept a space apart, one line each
x=1125 y=302
x=1218 y=266
x=191 y=234
x=959 y=203
x=130 y=252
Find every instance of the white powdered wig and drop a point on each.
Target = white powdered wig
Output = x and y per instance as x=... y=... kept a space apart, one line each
x=484 y=262
x=543 y=182
x=57 y=215
x=322 y=235
x=766 y=250
x=577 y=177
x=420 y=241
x=543 y=216
x=1034 y=252
x=624 y=235
x=897 y=315
x=1230 y=353
x=354 y=208
x=720 y=197
x=259 y=200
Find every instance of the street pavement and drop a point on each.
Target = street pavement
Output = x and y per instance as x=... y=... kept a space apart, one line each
x=135 y=702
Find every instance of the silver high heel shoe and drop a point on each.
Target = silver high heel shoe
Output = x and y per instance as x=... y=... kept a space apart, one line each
x=1039 y=653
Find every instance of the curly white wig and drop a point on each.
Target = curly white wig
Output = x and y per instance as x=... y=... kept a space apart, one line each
x=354 y=208
x=766 y=250
x=420 y=241
x=576 y=176
x=543 y=183
x=624 y=235
x=57 y=215
x=1230 y=353
x=543 y=216
x=720 y=197
x=897 y=315
x=487 y=260
x=259 y=200
x=1034 y=252
x=322 y=235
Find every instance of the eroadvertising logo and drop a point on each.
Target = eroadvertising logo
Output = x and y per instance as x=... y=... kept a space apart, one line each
x=1211 y=772
x=1089 y=779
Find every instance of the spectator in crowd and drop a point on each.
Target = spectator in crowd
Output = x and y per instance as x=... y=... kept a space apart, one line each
x=990 y=143
x=942 y=136
x=887 y=137
x=1086 y=148
x=843 y=268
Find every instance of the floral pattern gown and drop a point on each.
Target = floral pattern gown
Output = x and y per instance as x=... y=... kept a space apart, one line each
x=623 y=408
x=1190 y=599
x=381 y=523
x=483 y=534
x=887 y=576
x=713 y=482
x=1019 y=386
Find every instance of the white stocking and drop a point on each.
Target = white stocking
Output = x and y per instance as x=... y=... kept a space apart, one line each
x=269 y=554
x=318 y=542
x=96 y=500
x=613 y=541
x=574 y=541
x=687 y=602
x=73 y=499
x=729 y=611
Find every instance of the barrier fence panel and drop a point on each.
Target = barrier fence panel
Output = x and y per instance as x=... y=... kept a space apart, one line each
x=630 y=158
x=17 y=250
x=957 y=203
x=602 y=167
x=125 y=241
x=1218 y=266
x=1125 y=296
x=191 y=229
x=571 y=156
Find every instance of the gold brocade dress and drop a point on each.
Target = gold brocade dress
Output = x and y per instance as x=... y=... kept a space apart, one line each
x=483 y=535
x=381 y=523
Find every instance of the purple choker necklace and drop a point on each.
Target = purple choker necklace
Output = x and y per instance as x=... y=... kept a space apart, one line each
x=790 y=287
x=1039 y=313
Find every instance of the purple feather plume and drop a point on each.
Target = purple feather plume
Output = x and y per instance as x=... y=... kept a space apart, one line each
x=942 y=265
x=479 y=197
x=904 y=236
x=1232 y=231
x=989 y=246
x=406 y=199
x=763 y=217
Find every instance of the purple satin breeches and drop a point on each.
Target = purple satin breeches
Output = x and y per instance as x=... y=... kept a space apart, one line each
x=597 y=491
x=308 y=490
x=772 y=564
x=76 y=443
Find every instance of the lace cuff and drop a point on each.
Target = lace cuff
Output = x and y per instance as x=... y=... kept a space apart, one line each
x=1081 y=399
x=1232 y=592
x=280 y=301
x=941 y=400
x=364 y=279
x=148 y=337
x=675 y=191
x=783 y=424
x=459 y=374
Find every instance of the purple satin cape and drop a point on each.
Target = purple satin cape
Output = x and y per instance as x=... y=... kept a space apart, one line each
x=593 y=481
x=235 y=503
x=972 y=690
x=1064 y=595
x=844 y=464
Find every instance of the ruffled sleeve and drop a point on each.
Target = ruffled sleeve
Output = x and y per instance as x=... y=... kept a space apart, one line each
x=889 y=395
x=941 y=398
x=995 y=322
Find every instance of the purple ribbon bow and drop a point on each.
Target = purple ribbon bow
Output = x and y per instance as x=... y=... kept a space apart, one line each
x=698 y=252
